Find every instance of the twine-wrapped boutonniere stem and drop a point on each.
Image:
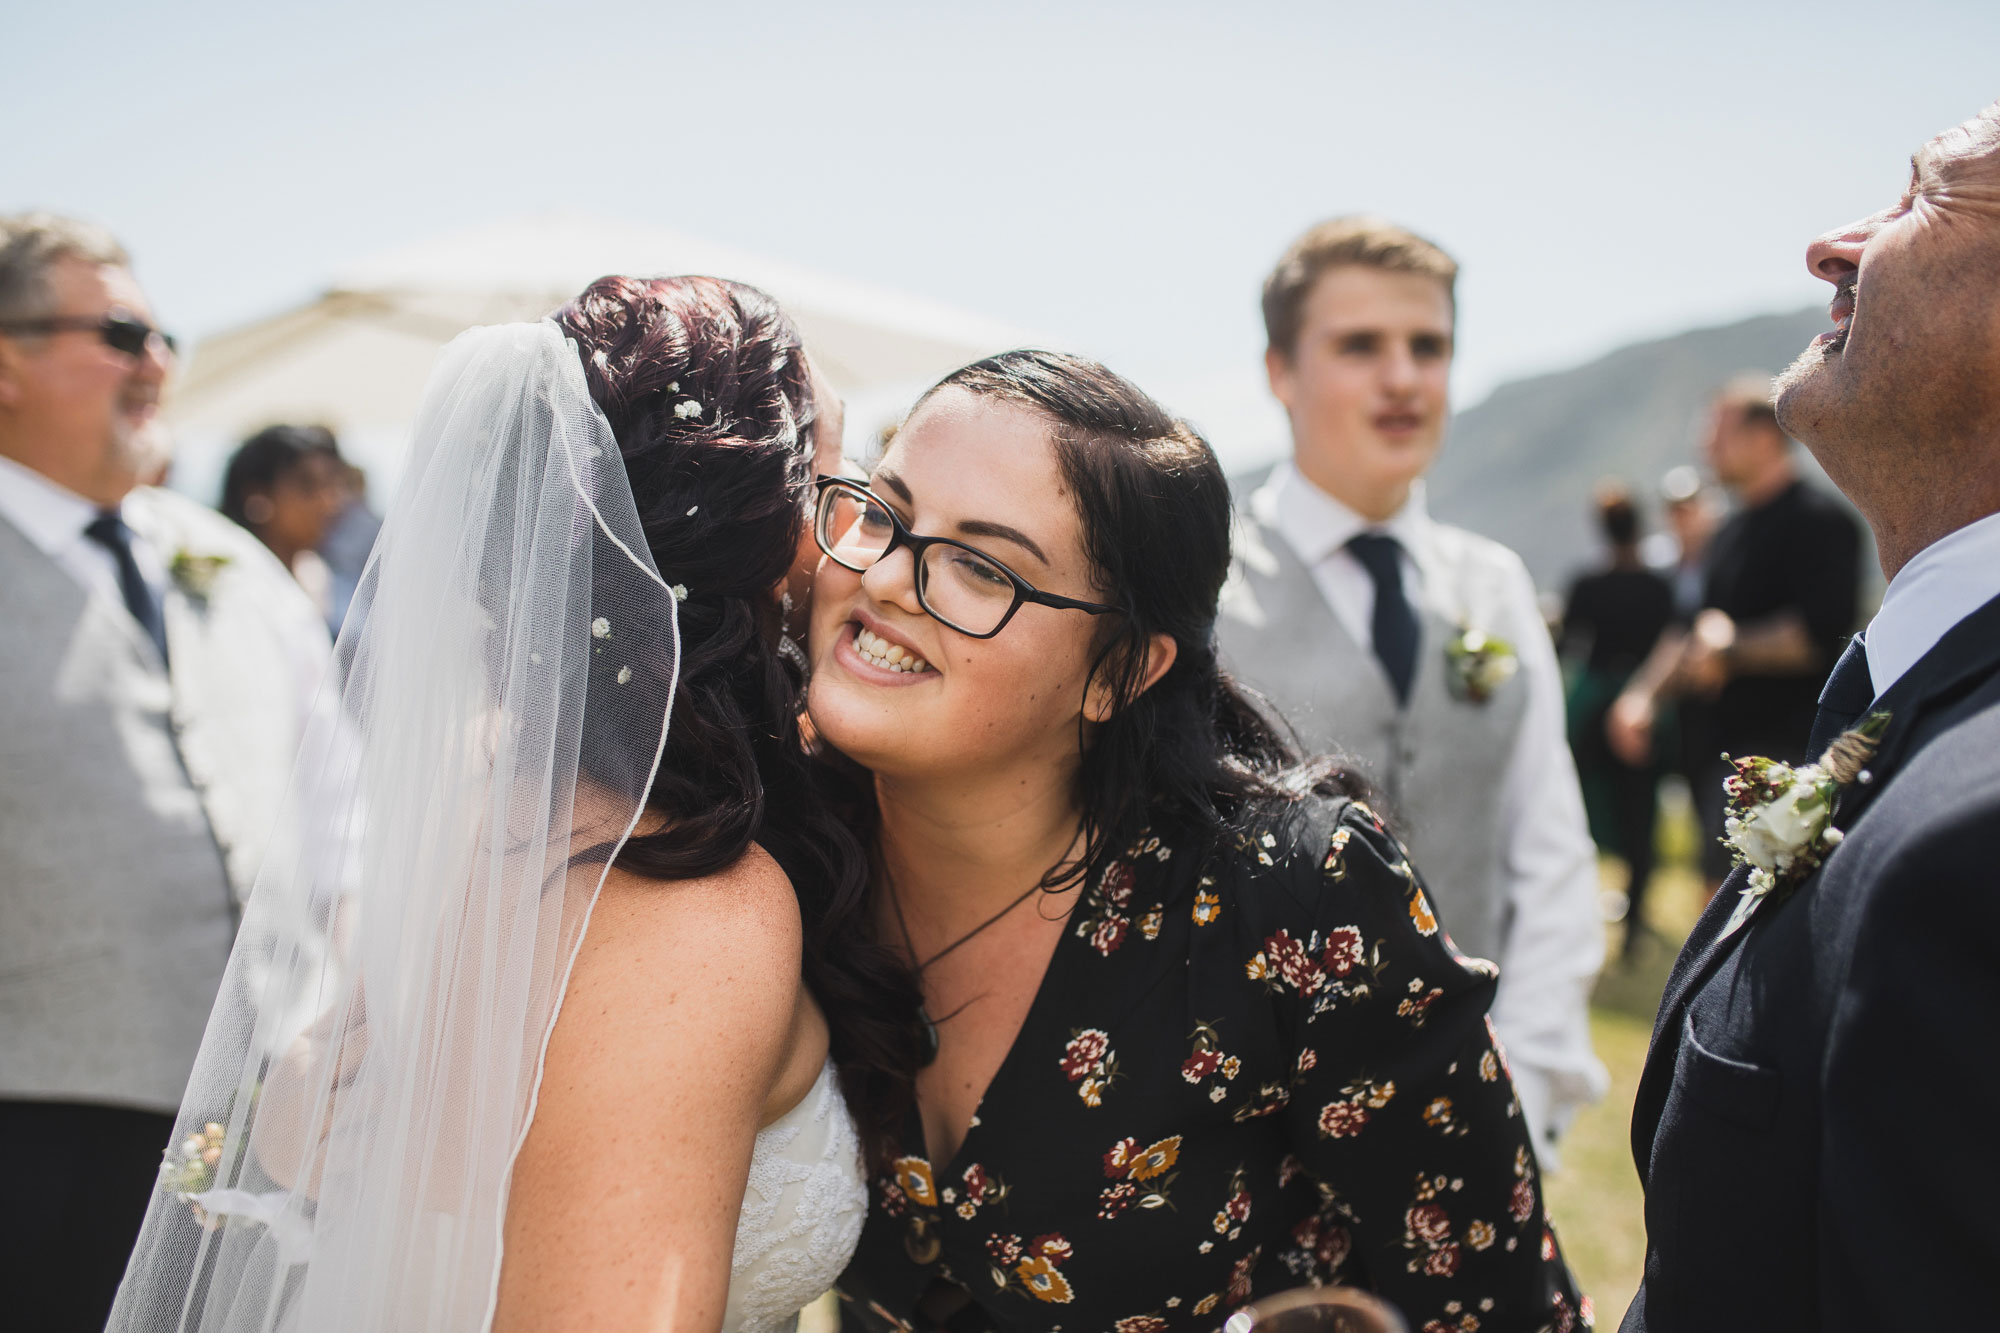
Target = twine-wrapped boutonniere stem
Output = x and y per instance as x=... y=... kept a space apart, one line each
x=1780 y=820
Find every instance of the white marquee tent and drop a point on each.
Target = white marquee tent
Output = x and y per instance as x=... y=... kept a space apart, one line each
x=356 y=357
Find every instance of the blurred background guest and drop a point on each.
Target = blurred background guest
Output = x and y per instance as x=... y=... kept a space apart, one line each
x=1416 y=648
x=349 y=539
x=1679 y=550
x=1611 y=621
x=1779 y=600
x=1684 y=743
x=287 y=485
x=156 y=667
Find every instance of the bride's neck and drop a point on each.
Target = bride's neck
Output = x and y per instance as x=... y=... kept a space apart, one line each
x=958 y=853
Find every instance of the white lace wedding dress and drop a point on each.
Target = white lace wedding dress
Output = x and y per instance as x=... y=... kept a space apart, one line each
x=802 y=1212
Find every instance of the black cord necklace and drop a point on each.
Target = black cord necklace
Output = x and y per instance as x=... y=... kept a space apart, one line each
x=929 y=1025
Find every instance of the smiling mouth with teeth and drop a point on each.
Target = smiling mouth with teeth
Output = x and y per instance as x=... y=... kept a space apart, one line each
x=877 y=651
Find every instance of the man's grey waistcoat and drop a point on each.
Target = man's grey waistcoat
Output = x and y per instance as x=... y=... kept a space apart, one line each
x=133 y=808
x=1440 y=761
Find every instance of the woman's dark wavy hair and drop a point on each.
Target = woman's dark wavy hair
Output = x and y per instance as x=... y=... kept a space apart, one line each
x=1195 y=751
x=264 y=458
x=723 y=499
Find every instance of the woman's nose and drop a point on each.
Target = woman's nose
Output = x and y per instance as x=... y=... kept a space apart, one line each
x=892 y=581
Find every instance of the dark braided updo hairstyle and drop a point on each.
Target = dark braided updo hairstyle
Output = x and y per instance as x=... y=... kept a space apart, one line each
x=707 y=391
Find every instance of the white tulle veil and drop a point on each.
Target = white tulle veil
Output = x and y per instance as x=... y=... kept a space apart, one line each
x=342 y=1155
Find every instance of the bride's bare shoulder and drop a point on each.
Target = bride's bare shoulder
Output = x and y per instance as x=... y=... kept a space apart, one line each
x=722 y=946
x=750 y=903
x=677 y=1023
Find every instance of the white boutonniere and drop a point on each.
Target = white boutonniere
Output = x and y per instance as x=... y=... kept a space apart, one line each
x=1476 y=663
x=195 y=573
x=1780 y=820
x=196 y=1171
x=189 y=1168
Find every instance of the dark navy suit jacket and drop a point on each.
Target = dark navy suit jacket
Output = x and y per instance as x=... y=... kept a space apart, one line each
x=1818 y=1125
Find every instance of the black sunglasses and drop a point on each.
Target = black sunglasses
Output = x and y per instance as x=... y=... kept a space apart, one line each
x=120 y=331
x=957 y=585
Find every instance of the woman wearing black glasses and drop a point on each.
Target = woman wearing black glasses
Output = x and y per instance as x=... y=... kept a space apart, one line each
x=1195 y=1033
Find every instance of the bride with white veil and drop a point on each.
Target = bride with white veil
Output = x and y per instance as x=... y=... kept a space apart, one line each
x=553 y=1032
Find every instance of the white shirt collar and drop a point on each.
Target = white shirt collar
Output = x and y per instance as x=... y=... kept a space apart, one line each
x=1942 y=585
x=48 y=514
x=1315 y=525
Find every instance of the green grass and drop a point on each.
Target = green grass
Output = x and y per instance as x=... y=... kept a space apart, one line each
x=1595 y=1200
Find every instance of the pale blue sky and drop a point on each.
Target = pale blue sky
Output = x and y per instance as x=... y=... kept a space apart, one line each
x=1118 y=174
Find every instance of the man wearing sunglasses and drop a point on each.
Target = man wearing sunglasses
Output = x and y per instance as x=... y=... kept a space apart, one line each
x=156 y=666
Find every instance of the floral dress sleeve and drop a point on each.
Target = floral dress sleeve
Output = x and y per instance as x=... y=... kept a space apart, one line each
x=1402 y=1107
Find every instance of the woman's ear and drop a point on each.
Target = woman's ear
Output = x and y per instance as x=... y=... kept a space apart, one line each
x=1099 y=702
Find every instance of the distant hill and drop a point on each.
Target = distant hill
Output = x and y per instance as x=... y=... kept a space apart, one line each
x=1519 y=467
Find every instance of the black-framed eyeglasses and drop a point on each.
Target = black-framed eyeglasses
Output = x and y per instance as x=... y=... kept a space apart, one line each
x=957 y=585
x=119 y=329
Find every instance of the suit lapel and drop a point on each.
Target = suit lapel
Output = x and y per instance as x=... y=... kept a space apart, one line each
x=1704 y=951
x=1964 y=657
x=1958 y=663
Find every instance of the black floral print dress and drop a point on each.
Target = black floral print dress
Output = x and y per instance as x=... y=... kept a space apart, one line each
x=1263 y=1072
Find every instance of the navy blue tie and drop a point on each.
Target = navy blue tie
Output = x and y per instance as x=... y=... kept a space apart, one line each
x=1846 y=696
x=110 y=532
x=1394 y=627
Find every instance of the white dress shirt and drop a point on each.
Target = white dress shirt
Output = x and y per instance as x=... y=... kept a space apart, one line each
x=1555 y=937
x=52 y=517
x=1942 y=585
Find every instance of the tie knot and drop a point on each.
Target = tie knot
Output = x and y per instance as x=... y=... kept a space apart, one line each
x=109 y=529
x=1380 y=554
x=1850 y=688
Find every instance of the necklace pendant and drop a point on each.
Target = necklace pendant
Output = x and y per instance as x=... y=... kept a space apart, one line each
x=930 y=1037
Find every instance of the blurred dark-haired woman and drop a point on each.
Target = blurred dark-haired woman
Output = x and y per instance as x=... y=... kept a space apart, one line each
x=287 y=484
x=1194 y=1031
x=1611 y=619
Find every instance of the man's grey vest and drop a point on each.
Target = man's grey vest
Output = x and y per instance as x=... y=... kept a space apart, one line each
x=1439 y=762
x=134 y=807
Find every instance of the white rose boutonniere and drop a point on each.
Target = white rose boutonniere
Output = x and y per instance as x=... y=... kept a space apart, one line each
x=195 y=573
x=1780 y=820
x=1476 y=663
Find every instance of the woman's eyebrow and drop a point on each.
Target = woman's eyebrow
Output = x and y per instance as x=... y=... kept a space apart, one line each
x=894 y=483
x=979 y=527
x=973 y=527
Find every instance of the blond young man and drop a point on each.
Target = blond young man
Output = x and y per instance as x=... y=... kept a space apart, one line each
x=1416 y=648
